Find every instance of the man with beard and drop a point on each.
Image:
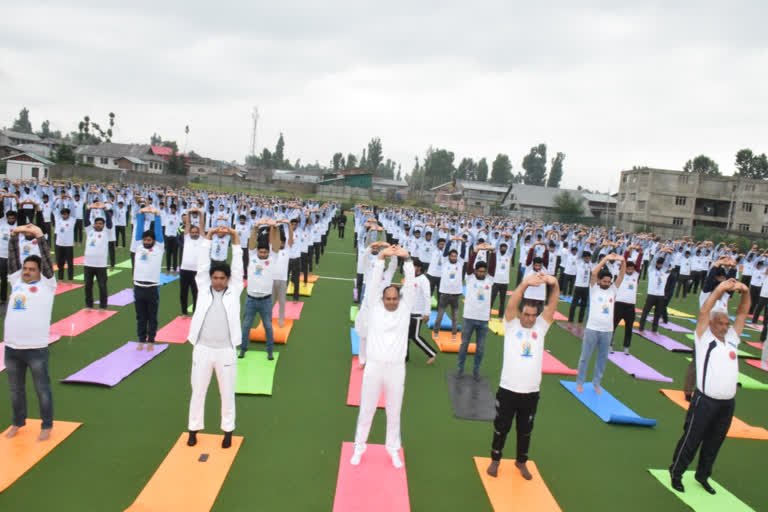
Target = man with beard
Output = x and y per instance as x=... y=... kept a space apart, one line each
x=189 y=260
x=146 y=278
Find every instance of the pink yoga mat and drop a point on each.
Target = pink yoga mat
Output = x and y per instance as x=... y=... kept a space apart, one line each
x=552 y=365
x=176 y=331
x=375 y=485
x=80 y=322
x=559 y=317
x=65 y=287
x=758 y=345
x=292 y=310
x=2 y=356
x=355 y=383
x=756 y=363
x=636 y=367
x=80 y=260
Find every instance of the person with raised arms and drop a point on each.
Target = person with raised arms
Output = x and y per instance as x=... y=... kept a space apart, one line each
x=146 y=278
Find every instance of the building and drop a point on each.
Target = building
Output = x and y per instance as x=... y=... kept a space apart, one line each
x=11 y=138
x=295 y=176
x=107 y=155
x=476 y=197
x=675 y=202
x=200 y=165
x=599 y=205
x=393 y=188
x=25 y=166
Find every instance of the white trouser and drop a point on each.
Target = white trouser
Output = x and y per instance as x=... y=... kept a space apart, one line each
x=278 y=296
x=391 y=378
x=204 y=361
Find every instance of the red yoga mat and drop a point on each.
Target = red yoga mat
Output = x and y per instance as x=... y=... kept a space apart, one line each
x=375 y=485
x=80 y=322
x=176 y=331
x=552 y=365
x=292 y=310
x=356 y=383
x=65 y=287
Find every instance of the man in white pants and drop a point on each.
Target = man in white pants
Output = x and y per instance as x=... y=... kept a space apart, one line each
x=215 y=334
x=383 y=352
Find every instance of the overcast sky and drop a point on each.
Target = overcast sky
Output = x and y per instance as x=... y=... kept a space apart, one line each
x=611 y=84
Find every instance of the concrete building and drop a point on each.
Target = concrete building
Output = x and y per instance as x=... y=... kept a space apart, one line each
x=108 y=154
x=475 y=197
x=25 y=166
x=675 y=202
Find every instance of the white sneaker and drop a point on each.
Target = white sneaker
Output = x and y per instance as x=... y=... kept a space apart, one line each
x=356 y=456
x=626 y=351
x=396 y=460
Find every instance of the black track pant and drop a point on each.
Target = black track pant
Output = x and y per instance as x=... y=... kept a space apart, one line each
x=171 y=253
x=434 y=284
x=657 y=301
x=706 y=425
x=359 y=284
x=187 y=283
x=3 y=279
x=499 y=289
x=65 y=255
x=580 y=299
x=414 y=335
x=626 y=312
x=566 y=283
x=120 y=233
x=508 y=405
x=294 y=269
x=100 y=273
x=306 y=264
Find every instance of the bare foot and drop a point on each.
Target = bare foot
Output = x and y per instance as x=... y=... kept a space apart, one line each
x=431 y=360
x=597 y=389
x=45 y=434
x=579 y=388
x=12 y=432
x=140 y=347
x=150 y=347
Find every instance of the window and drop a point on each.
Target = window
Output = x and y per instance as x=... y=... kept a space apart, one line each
x=641 y=205
x=90 y=159
x=747 y=207
x=104 y=160
x=621 y=216
x=680 y=200
x=764 y=230
x=743 y=227
x=632 y=196
x=765 y=210
x=634 y=179
x=623 y=195
x=749 y=187
x=35 y=172
x=683 y=180
x=677 y=221
x=624 y=179
x=114 y=161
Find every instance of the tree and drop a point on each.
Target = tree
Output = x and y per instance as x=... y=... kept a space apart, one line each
x=438 y=167
x=170 y=144
x=338 y=161
x=702 y=164
x=749 y=165
x=386 y=170
x=177 y=164
x=566 y=204
x=556 y=171
x=501 y=170
x=467 y=170
x=481 y=173
x=266 y=158
x=351 y=162
x=64 y=154
x=375 y=154
x=398 y=177
x=45 y=129
x=363 y=161
x=535 y=165
x=155 y=140
x=279 y=156
x=22 y=124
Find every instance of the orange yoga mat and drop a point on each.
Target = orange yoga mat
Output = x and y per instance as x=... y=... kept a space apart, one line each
x=279 y=334
x=311 y=279
x=23 y=451
x=445 y=342
x=636 y=325
x=183 y=481
x=510 y=491
x=738 y=429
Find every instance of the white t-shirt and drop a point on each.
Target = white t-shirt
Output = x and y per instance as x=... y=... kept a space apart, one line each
x=719 y=378
x=148 y=262
x=535 y=292
x=601 y=304
x=28 y=248
x=503 y=264
x=96 y=247
x=219 y=247
x=477 y=305
x=65 y=231
x=583 y=273
x=191 y=253
x=260 y=274
x=280 y=271
x=28 y=317
x=627 y=292
x=523 y=355
x=657 y=281
x=450 y=279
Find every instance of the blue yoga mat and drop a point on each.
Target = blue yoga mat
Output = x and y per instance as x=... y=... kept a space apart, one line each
x=445 y=323
x=606 y=406
x=355 y=341
x=566 y=299
x=167 y=278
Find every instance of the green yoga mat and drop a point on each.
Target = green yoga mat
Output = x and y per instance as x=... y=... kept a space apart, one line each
x=434 y=302
x=124 y=264
x=353 y=313
x=110 y=273
x=700 y=500
x=255 y=373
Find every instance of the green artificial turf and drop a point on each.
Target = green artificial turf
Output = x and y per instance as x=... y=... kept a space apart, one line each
x=290 y=457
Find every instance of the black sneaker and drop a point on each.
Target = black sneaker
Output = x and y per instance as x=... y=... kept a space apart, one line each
x=241 y=354
x=705 y=484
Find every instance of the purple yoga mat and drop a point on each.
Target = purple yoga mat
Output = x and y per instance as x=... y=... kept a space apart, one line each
x=636 y=367
x=121 y=298
x=663 y=341
x=115 y=366
x=672 y=327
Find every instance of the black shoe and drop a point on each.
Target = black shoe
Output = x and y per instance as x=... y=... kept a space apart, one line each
x=192 y=440
x=227 y=441
x=705 y=484
x=270 y=356
x=677 y=484
x=242 y=353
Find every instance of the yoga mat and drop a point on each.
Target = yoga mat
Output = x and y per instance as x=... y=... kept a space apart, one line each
x=355 y=339
x=496 y=326
x=115 y=366
x=311 y=279
x=663 y=341
x=636 y=367
x=80 y=322
x=472 y=398
x=279 y=334
x=445 y=323
x=634 y=324
x=354 y=294
x=739 y=429
x=23 y=450
x=124 y=264
x=697 y=498
x=559 y=317
x=176 y=331
x=756 y=363
x=292 y=310
x=2 y=356
x=575 y=329
x=65 y=287
x=353 y=311
x=183 y=482
x=510 y=491
x=255 y=373
x=433 y=303
x=753 y=327
x=553 y=366
x=670 y=326
x=121 y=298
x=110 y=272
x=445 y=342
x=747 y=382
x=562 y=298
x=80 y=260
x=167 y=278
x=375 y=485
x=675 y=312
x=53 y=338
x=305 y=290
x=356 y=383
x=608 y=408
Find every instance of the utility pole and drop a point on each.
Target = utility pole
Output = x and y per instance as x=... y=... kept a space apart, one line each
x=255 y=118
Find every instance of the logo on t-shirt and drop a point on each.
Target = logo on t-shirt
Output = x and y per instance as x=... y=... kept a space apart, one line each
x=732 y=354
x=526 y=349
x=19 y=302
x=144 y=256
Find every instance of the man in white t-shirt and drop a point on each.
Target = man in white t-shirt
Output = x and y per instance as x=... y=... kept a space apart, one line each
x=192 y=245
x=717 y=374
x=27 y=322
x=477 y=312
x=146 y=278
x=96 y=249
x=599 y=330
x=626 y=298
x=280 y=276
x=518 y=394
